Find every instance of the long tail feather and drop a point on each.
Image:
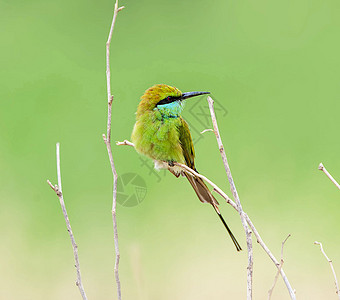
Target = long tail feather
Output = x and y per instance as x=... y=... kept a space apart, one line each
x=237 y=245
x=204 y=195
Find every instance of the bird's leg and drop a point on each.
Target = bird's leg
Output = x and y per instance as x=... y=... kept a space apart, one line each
x=170 y=168
x=173 y=172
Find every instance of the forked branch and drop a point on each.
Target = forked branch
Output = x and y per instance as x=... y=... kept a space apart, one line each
x=270 y=292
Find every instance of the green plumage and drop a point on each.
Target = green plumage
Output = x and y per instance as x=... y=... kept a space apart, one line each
x=163 y=135
x=158 y=138
x=155 y=134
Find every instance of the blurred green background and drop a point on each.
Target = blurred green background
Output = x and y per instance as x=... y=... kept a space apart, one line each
x=273 y=66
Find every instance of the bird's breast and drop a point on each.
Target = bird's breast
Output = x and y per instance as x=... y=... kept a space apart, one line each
x=158 y=137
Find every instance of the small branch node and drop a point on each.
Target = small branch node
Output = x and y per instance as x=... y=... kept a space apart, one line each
x=110 y=100
x=323 y=169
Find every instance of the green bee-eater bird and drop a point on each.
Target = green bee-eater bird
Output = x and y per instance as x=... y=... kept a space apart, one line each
x=162 y=134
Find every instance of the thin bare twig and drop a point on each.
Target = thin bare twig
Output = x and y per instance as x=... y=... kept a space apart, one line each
x=107 y=140
x=233 y=204
x=236 y=198
x=270 y=292
x=58 y=191
x=331 y=264
x=206 y=130
x=125 y=143
x=323 y=169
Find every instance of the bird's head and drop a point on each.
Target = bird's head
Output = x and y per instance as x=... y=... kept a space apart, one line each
x=165 y=98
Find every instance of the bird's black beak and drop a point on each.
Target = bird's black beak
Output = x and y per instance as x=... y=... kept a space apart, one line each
x=192 y=94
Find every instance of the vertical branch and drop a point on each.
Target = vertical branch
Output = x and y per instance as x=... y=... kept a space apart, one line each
x=107 y=140
x=108 y=72
x=323 y=169
x=331 y=264
x=58 y=190
x=237 y=200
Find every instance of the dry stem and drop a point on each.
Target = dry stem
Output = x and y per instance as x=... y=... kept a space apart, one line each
x=236 y=198
x=206 y=130
x=270 y=292
x=323 y=169
x=331 y=264
x=58 y=191
x=125 y=143
x=107 y=140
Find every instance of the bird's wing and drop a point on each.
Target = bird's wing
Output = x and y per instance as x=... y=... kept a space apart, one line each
x=187 y=144
x=197 y=183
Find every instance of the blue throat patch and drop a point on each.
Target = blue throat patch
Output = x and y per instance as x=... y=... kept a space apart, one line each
x=171 y=110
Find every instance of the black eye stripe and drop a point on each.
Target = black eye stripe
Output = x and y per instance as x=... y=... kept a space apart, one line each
x=168 y=99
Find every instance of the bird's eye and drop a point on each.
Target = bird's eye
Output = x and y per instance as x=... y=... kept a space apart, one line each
x=167 y=100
